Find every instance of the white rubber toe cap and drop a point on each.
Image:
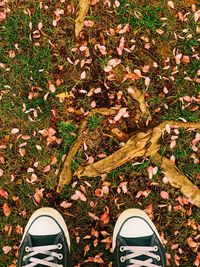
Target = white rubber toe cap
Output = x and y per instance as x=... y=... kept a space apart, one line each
x=44 y=226
x=135 y=227
x=46 y=221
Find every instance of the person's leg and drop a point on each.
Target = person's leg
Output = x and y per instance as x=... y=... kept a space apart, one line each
x=136 y=241
x=45 y=241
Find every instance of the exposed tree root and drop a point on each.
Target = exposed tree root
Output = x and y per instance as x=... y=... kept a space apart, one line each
x=142 y=144
x=83 y=7
x=66 y=173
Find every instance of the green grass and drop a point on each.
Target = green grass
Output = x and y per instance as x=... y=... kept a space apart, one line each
x=94 y=122
x=31 y=70
x=146 y=17
x=68 y=132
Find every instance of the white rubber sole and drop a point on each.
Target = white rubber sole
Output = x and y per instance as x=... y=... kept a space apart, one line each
x=51 y=213
x=128 y=214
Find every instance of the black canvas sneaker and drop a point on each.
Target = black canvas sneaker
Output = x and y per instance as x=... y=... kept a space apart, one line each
x=136 y=242
x=45 y=241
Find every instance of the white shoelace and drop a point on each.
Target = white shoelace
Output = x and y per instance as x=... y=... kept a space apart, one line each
x=139 y=251
x=46 y=250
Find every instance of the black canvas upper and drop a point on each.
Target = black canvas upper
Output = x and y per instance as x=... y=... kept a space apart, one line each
x=149 y=241
x=44 y=240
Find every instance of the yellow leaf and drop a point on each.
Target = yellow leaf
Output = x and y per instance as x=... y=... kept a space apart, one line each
x=63 y=95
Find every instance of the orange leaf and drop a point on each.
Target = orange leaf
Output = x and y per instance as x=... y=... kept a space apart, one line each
x=6 y=210
x=191 y=243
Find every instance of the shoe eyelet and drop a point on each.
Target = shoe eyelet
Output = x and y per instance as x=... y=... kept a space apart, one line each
x=24 y=258
x=27 y=249
x=155 y=248
x=158 y=258
x=60 y=256
x=121 y=249
x=59 y=246
x=122 y=259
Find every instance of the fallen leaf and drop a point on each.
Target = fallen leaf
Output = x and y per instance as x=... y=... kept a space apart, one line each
x=6 y=249
x=105 y=217
x=14 y=130
x=64 y=95
x=83 y=75
x=47 y=168
x=120 y=114
x=159 y=31
x=6 y=209
x=1 y=172
x=64 y=204
x=147 y=81
x=38 y=195
x=173 y=144
x=51 y=87
x=186 y=59
x=191 y=242
x=4 y=193
x=94 y=2
x=78 y=195
x=98 y=192
x=22 y=152
x=164 y=194
x=170 y=4
x=89 y=23
x=2 y=16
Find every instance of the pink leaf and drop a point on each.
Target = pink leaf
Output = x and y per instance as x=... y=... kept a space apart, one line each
x=165 y=90
x=196 y=15
x=159 y=31
x=178 y=58
x=38 y=195
x=102 y=49
x=121 y=112
x=145 y=69
x=22 y=152
x=165 y=180
x=6 y=209
x=107 y=69
x=173 y=144
x=186 y=59
x=12 y=54
x=97 y=90
x=117 y=3
x=114 y=62
x=4 y=193
x=14 y=130
x=93 y=104
x=121 y=46
x=94 y=2
x=168 y=128
x=2 y=16
x=51 y=87
x=191 y=243
x=1 y=172
x=147 y=81
x=79 y=195
x=6 y=249
x=164 y=195
x=47 y=168
x=64 y=204
x=83 y=75
x=89 y=23
x=93 y=216
x=170 y=4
